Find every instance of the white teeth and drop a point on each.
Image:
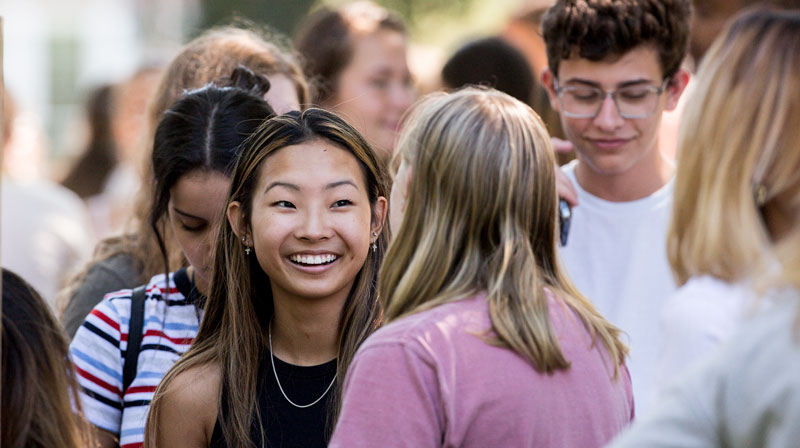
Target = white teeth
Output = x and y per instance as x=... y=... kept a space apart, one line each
x=312 y=259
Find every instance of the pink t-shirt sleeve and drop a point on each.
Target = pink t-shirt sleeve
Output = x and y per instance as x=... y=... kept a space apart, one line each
x=390 y=397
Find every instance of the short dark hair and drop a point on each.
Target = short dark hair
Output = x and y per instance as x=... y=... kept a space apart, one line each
x=599 y=29
x=490 y=62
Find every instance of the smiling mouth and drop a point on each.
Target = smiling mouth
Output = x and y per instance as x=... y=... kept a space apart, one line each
x=313 y=260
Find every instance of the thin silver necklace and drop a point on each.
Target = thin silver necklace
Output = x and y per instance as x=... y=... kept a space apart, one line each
x=272 y=360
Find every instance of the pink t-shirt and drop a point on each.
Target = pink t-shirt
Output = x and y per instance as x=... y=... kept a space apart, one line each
x=430 y=380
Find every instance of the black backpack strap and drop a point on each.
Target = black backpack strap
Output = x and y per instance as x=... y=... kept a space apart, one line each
x=135 y=329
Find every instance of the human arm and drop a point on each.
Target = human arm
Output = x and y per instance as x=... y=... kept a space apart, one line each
x=391 y=398
x=97 y=357
x=187 y=413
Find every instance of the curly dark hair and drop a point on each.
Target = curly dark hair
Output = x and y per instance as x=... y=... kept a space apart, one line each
x=599 y=29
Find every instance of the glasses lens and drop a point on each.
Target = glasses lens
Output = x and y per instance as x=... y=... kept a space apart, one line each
x=581 y=101
x=637 y=101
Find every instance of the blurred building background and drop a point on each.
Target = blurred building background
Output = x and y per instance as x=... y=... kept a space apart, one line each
x=56 y=51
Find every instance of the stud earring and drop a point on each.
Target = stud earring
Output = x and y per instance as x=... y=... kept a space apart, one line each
x=760 y=194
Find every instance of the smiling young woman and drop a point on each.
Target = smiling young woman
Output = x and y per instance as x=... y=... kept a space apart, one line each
x=293 y=292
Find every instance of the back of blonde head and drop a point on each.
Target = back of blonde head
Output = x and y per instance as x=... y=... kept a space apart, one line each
x=739 y=136
x=481 y=216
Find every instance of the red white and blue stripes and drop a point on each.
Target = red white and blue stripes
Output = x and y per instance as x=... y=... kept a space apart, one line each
x=98 y=352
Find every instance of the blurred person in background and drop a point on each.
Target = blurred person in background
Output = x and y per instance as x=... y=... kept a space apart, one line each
x=356 y=58
x=89 y=173
x=106 y=174
x=490 y=62
x=747 y=105
x=495 y=63
x=127 y=261
x=40 y=405
x=45 y=228
x=744 y=174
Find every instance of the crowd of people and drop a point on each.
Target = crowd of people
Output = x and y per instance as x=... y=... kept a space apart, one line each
x=316 y=257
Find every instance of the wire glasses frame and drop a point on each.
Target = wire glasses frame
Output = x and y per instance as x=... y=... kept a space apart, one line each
x=631 y=102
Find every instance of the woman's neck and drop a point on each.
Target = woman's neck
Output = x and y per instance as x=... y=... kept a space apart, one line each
x=305 y=333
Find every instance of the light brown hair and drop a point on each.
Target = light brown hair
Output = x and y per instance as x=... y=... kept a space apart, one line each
x=481 y=216
x=41 y=407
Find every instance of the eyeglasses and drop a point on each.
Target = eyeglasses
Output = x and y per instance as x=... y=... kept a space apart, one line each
x=638 y=101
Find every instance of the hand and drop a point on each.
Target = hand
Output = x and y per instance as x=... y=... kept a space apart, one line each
x=564 y=186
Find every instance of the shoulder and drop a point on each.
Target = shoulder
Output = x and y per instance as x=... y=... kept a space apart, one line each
x=435 y=327
x=704 y=300
x=111 y=274
x=196 y=389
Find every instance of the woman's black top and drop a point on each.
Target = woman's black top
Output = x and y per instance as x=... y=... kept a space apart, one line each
x=286 y=426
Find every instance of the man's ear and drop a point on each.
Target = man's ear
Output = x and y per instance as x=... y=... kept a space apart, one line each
x=236 y=220
x=548 y=81
x=675 y=87
x=379 y=211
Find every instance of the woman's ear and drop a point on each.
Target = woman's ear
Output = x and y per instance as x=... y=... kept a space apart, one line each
x=236 y=220
x=379 y=211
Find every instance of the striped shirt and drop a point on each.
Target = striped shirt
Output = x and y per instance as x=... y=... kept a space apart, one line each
x=98 y=352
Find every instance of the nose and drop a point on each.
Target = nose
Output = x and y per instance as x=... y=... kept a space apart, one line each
x=314 y=226
x=608 y=118
x=402 y=96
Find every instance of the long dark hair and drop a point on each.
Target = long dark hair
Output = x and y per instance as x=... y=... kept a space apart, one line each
x=40 y=403
x=239 y=306
x=90 y=172
x=204 y=130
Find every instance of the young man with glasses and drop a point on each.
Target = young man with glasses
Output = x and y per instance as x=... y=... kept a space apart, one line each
x=614 y=68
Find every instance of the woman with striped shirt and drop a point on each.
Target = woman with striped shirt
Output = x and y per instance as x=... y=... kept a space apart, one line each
x=195 y=147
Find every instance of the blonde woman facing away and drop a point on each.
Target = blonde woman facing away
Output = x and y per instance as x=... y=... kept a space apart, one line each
x=747 y=394
x=488 y=341
x=293 y=292
x=739 y=162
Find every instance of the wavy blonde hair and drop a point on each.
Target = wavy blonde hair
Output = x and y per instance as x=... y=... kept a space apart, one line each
x=739 y=140
x=481 y=215
x=239 y=307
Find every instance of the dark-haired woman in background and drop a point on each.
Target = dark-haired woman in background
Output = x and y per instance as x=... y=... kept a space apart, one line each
x=40 y=405
x=195 y=147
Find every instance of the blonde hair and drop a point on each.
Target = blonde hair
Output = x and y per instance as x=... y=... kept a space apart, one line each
x=481 y=215
x=239 y=306
x=738 y=141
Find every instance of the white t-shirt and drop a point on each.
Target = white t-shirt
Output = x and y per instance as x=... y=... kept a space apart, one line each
x=616 y=256
x=700 y=316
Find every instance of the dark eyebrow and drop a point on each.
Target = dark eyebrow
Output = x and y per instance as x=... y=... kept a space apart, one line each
x=187 y=215
x=340 y=183
x=282 y=184
x=632 y=82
